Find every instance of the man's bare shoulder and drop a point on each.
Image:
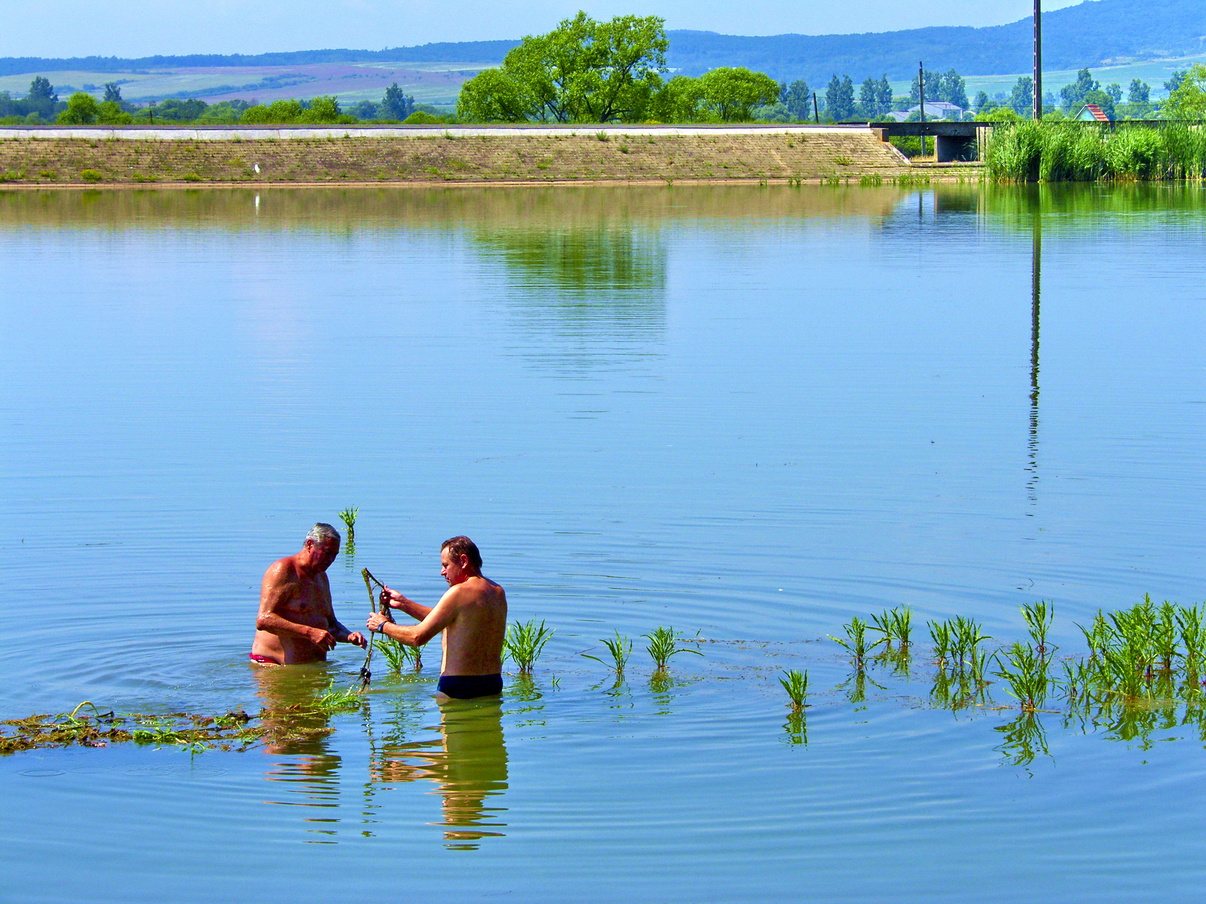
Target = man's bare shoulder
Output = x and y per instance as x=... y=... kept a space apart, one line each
x=281 y=570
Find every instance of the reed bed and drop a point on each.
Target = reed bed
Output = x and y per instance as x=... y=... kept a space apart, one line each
x=1086 y=152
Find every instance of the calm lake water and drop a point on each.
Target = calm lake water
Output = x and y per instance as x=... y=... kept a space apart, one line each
x=747 y=413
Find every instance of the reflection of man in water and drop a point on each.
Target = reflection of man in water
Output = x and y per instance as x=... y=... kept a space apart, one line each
x=296 y=621
x=472 y=613
x=467 y=763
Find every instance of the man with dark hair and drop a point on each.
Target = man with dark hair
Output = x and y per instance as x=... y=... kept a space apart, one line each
x=472 y=614
x=296 y=621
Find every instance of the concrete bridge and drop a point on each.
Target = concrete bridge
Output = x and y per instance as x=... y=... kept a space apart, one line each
x=953 y=141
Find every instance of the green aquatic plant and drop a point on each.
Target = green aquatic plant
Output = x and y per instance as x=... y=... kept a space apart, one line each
x=855 y=642
x=399 y=655
x=1038 y=615
x=1192 y=627
x=894 y=625
x=1165 y=635
x=100 y=729
x=1025 y=671
x=1097 y=635
x=337 y=701
x=620 y=648
x=524 y=641
x=663 y=643
x=940 y=637
x=348 y=517
x=795 y=683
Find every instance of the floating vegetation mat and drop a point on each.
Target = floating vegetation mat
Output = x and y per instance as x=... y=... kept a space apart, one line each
x=88 y=726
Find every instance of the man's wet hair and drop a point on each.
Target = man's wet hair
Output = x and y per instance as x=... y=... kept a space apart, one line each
x=463 y=546
x=321 y=532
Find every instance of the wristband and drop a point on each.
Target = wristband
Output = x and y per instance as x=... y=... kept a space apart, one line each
x=380 y=629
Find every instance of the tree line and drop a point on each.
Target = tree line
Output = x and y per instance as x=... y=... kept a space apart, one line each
x=42 y=106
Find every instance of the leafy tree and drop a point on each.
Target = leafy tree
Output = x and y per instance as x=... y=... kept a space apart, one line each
x=1174 y=81
x=772 y=113
x=41 y=99
x=176 y=110
x=1115 y=91
x=839 y=98
x=323 y=108
x=110 y=113
x=953 y=90
x=395 y=104
x=1140 y=93
x=112 y=93
x=1104 y=100
x=875 y=97
x=1073 y=95
x=1188 y=99
x=679 y=100
x=582 y=71
x=731 y=93
x=1021 y=96
x=798 y=100
x=1000 y=114
x=981 y=101
x=81 y=110
x=933 y=88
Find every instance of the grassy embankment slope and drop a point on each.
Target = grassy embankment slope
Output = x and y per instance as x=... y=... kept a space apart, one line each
x=443 y=156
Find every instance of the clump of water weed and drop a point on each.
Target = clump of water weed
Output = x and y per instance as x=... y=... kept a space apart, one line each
x=100 y=729
x=524 y=641
x=663 y=643
x=795 y=683
x=620 y=648
x=348 y=517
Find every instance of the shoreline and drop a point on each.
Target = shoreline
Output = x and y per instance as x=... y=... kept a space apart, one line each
x=74 y=158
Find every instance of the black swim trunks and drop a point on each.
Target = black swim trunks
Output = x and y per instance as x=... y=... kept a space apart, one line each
x=466 y=687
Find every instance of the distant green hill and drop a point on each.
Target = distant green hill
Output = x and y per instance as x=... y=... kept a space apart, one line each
x=1093 y=33
x=1089 y=34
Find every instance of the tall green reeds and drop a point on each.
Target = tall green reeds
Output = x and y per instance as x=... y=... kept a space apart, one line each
x=1087 y=152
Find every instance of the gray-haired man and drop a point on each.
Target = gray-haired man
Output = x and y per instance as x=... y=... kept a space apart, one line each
x=296 y=621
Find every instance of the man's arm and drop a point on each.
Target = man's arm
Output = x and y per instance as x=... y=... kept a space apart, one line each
x=395 y=600
x=438 y=617
x=275 y=592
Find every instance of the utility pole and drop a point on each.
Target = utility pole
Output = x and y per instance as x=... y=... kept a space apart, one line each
x=921 y=94
x=1038 y=60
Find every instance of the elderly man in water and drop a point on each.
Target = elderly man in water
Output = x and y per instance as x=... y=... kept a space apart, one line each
x=296 y=621
x=472 y=614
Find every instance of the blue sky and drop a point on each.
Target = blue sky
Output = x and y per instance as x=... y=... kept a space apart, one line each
x=144 y=27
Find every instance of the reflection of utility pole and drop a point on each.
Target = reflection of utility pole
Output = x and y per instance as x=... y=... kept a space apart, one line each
x=1036 y=286
x=1038 y=60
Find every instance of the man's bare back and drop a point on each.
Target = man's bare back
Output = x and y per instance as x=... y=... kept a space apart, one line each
x=296 y=620
x=472 y=614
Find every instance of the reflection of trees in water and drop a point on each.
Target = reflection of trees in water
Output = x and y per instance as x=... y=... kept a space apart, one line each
x=587 y=295
x=466 y=760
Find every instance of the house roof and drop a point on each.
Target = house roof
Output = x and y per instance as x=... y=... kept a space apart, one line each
x=1093 y=112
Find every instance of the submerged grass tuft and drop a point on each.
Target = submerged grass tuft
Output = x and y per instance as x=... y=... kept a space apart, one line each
x=524 y=641
x=620 y=648
x=795 y=683
x=663 y=643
